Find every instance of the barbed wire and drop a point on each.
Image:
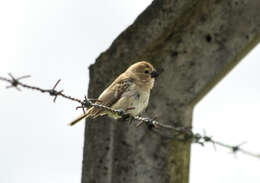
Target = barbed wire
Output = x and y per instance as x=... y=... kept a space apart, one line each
x=185 y=132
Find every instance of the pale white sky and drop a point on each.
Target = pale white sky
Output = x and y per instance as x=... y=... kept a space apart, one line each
x=55 y=39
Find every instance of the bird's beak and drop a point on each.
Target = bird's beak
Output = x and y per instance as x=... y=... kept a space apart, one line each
x=154 y=74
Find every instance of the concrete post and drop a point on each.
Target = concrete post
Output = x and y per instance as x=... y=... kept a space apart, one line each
x=193 y=43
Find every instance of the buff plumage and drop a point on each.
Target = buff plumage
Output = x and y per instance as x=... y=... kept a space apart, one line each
x=130 y=89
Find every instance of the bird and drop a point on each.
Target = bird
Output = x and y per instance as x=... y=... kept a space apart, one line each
x=130 y=92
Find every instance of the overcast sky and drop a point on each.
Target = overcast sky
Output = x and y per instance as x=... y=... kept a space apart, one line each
x=55 y=39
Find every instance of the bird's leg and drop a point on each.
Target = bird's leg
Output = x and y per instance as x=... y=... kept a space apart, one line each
x=125 y=116
x=130 y=118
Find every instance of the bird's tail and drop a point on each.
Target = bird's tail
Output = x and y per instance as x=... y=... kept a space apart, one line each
x=82 y=116
x=92 y=112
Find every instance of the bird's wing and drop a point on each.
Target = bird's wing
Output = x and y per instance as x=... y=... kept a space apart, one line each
x=111 y=94
x=108 y=98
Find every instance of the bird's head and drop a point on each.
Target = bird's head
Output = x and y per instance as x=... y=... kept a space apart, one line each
x=143 y=71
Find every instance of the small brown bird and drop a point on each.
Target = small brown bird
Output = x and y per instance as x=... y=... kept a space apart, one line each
x=130 y=90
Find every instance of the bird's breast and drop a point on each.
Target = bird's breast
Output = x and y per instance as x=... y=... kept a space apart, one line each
x=139 y=102
x=134 y=100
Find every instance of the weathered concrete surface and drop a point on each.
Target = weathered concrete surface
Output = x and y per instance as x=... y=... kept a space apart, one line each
x=193 y=43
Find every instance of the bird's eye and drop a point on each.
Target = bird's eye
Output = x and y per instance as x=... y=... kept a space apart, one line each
x=146 y=72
